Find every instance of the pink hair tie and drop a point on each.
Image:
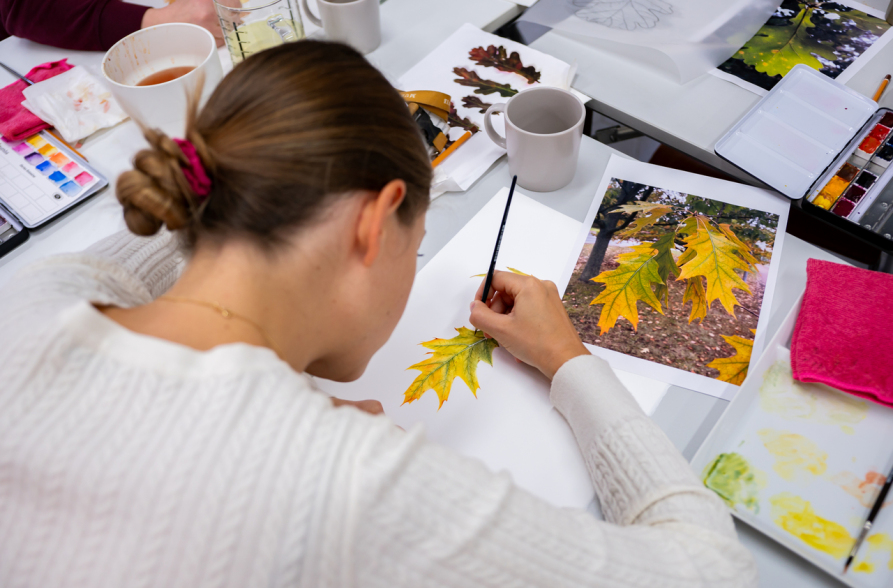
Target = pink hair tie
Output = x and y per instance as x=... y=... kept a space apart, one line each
x=194 y=171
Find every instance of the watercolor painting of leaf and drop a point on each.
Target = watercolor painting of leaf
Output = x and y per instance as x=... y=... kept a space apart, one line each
x=475 y=103
x=450 y=359
x=485 y=87
x=622 y=14
x=497 y=57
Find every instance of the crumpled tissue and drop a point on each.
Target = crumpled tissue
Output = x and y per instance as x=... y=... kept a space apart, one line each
x=75 y=102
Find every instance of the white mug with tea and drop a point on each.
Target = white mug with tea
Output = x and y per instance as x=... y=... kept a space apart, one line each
x=354 y=22
x=152 y=71
x=543 y=131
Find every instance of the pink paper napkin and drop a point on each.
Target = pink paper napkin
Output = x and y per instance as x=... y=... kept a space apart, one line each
x=16 y=121
x=844 y=332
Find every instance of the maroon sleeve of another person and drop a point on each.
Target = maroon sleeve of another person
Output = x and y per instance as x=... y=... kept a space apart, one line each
x=89 y=25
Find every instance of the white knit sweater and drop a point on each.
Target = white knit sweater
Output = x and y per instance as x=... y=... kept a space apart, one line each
x=130 y=461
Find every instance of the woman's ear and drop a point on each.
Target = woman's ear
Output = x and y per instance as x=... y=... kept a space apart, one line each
x=376 y=211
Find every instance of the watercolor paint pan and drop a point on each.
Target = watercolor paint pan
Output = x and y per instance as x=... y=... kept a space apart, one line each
x=818 y=158
x=41 y=178
x=856 y=435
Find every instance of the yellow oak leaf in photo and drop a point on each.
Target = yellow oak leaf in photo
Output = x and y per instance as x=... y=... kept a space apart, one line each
x=718 y=259
x=734 y=369
x=626 y=285
x=450 y=359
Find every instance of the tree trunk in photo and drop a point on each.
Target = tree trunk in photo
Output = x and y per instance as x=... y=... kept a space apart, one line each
x=600 y=248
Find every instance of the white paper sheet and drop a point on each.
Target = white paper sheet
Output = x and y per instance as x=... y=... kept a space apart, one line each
x=845 y=75
x=435 y=72
x=704 y=187
x=685 y=38
x=511 y=425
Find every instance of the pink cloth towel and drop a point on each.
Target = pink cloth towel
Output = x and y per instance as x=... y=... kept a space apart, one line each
x=16 y=121
x=844 y=332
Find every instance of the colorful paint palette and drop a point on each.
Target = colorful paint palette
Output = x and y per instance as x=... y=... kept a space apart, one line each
x=852 y=190
x=40 y=177
x=802 y=464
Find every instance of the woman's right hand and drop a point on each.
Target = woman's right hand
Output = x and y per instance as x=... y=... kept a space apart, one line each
x=526 y=316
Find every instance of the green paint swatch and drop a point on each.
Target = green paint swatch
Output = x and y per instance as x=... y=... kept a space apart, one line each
x=734 y=480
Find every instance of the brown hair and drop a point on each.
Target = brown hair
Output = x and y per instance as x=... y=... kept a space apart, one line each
x=288 y=131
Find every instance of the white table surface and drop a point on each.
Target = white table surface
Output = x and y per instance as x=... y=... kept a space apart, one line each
x=411 y=28
x=689 y=117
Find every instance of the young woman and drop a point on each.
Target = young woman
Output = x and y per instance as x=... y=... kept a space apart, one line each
x=158 y=426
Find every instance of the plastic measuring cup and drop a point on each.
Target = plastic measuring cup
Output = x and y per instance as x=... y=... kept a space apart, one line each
x=254 y=25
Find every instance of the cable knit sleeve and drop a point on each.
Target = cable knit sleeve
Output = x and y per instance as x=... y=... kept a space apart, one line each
x=428 y=517
x=122 y=269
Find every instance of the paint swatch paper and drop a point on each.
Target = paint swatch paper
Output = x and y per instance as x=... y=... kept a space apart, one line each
x=650 y=326
x=437 y=72
x=511 y=425
x=803 y=463
x=836 y=38
x=40 y=178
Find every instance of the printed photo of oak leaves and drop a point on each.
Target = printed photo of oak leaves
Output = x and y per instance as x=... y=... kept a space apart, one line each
x=657 y=247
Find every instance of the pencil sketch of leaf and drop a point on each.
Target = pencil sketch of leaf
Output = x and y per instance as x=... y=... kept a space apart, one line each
x=450 y=359
x=455 y=121
x=473 y=102
x=734 y=369
x=622 y=14
x=496 y=57
x=473 y=80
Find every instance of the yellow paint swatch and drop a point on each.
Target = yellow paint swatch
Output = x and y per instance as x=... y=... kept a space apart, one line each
x=796 y=516
x=48 y=150
x=794 y=454
x=874 y=544
x=36 y=141
x=780 y=394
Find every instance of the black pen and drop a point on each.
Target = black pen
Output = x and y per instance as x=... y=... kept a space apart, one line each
x=505 y=216
x=875 y=509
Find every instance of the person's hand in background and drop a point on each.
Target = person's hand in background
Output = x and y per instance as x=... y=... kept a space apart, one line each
x=197 y=12
x=526 y=316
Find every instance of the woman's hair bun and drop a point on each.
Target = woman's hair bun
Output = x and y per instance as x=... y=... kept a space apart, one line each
x=155 y=192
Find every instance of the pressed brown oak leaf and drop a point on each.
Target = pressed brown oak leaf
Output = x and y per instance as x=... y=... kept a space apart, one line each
x=499 y=58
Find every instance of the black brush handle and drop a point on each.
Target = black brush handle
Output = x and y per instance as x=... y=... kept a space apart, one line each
x=505 y=216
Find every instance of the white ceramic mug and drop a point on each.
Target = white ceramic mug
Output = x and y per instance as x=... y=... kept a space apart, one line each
x=543 y=130
x=155 y=49
x=354 y=22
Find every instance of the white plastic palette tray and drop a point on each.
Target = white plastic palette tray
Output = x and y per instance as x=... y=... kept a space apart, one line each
x=802 y=463
x=795 y=133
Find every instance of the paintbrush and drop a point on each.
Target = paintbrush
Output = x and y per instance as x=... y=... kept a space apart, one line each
x=505 y=216
x=449 y=150
x=50 y=131
x=875 y=509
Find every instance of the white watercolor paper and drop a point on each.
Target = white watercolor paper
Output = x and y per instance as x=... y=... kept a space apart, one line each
x=511 y=425
x=435 y=72
x=684 y=38
x=704 y=187
x=842 y=77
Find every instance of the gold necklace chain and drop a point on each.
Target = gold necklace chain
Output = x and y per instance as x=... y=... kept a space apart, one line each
x=225 y=313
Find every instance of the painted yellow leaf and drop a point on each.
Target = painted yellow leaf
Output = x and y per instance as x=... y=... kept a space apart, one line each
x=694 y=292
x=628 y=284
x=645 y=219
x=734 y=369
x=450 y=359
x=716 y=258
